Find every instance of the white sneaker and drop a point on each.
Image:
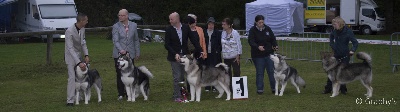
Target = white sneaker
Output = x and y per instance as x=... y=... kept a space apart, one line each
x=120 y=97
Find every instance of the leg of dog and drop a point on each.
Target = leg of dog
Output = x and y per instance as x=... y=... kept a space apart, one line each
x=284 y=83
x=276 y=85
x=295 y=85
x=142 y=91
x=225 y=86
x=89 y=93
x=86 y=94
x=98 y=90
x=77 y=97
x=128 y=92
x=198 y=93
x=192 y=92
x=335 y=88
x=369 y=89
x=220 y=90
x=133 y=92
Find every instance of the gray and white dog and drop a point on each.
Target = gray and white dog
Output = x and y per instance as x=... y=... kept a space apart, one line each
x=134 y=78
x=84 y=80
x=341 y=74
x=206 y=76
x=283 y=72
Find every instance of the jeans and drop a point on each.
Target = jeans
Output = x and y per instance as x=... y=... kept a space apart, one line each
x=262 y=64
x=178 y=73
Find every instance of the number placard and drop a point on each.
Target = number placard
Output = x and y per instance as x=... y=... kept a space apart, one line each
x=239 y=87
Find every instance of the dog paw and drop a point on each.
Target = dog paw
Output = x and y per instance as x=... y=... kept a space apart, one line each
x=228 y=99
x=280 y=94
x=86 y=103
x=332 y=96
x=129 y=100
x=191 y=100
x=276 y=94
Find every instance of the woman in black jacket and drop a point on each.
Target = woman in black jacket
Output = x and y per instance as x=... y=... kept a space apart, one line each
x=263 y=43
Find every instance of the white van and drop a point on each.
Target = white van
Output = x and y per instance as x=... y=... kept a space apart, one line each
x=45 y=15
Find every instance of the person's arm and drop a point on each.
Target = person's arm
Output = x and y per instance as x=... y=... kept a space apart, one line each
x=237 y=36
x=219 y=44
x=167 y=43
x=84 y=46
x=353 y=41
x=251 y=39
x=195 y=41
x=136 y=42
x=273 y=41
x=115 y=37
x=332 y=42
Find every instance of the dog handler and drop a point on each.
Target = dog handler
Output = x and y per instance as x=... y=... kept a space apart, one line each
x=75 y=48
x=339 y=41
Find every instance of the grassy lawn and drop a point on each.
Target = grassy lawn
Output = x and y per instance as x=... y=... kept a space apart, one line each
x=27 y=84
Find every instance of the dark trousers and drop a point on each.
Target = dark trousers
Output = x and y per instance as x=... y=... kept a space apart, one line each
x=212 y=60
x=343 y=88
x=328 y=86
x=120 y=84
x=236 y=69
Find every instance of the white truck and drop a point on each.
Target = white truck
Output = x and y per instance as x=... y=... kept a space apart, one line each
x=42 y=15
x=361 y=15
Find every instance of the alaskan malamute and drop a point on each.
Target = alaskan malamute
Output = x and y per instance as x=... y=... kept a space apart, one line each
x=283 y=72
x=342 y=74
x=84 y=80
x=208 y=76
x=134 y=78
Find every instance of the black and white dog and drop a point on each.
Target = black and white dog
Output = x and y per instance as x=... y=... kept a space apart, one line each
x=342 y=74
x=206 y=76
x=84 y=80
x=134 y=78
x=283 y=72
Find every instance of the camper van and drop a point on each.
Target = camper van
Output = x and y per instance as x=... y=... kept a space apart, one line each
x=361 y=15
x=45 y=15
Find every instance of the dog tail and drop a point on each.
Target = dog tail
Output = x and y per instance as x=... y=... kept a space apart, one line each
x=146 y=71
x=366 y=57
x=300 y=81
x=225 y=67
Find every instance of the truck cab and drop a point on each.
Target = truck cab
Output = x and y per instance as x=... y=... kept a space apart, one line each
x=45 y=15
x=371 y=18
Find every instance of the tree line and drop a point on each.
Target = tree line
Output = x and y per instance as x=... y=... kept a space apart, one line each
x=156 y=12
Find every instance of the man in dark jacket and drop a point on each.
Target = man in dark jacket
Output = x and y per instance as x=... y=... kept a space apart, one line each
x=176 y=43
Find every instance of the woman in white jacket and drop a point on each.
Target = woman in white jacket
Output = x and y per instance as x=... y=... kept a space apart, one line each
x=231 y=47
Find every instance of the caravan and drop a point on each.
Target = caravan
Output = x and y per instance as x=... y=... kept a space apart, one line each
x=45 y=15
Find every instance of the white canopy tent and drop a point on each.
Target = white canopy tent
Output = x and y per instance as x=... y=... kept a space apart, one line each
x=283 y=16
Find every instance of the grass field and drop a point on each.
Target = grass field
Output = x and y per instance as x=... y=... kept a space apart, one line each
x=28 y=84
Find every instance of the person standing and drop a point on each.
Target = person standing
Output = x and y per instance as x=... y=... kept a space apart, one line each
x=263 y=43
x=339 y=41
x=231 y=48
x=125 y=39
x=75 y=51
x=176 y=43
x=198 y=33
x=213 y=44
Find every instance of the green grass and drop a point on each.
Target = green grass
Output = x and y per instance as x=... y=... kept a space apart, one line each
x=28 y=84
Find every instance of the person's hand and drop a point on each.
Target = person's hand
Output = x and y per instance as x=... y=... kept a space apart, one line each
x=351 y=53
x=261 y=48
x=237 y=59
x=87 y=60
x=82 y=66
x=202 y=54
x=122 y=51
x=177 y=57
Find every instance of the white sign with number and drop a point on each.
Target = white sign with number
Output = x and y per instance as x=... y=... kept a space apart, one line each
x=239 y=87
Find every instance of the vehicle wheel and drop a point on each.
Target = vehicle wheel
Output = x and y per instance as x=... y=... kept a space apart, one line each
x=328 y=29
x=366 y=30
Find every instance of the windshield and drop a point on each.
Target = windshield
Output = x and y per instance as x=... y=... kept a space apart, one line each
x=379 y=12
x=57 y=11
